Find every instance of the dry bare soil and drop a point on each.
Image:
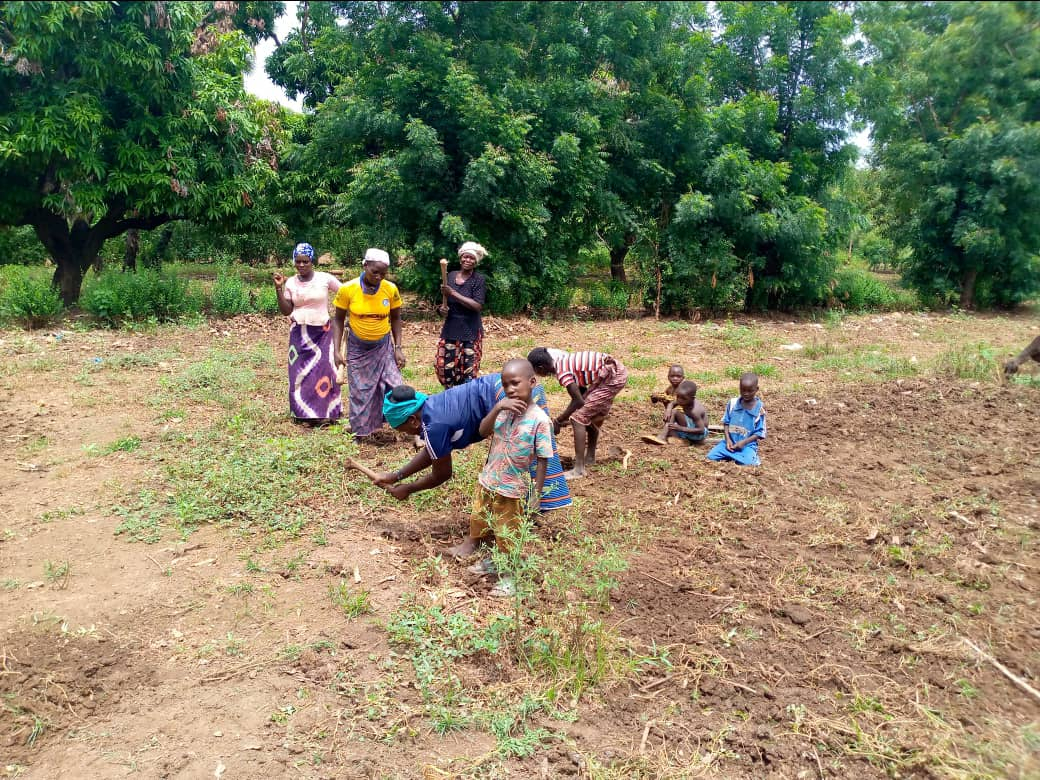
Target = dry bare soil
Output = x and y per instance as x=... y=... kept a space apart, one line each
x=192 y=586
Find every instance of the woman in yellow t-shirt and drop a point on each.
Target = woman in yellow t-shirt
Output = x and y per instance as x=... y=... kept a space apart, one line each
x=370 y=308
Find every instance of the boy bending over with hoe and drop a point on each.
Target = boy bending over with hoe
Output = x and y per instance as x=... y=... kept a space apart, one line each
x=520 y=432
x=603 y=375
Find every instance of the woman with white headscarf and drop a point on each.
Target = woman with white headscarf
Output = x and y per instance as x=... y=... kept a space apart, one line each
x=462 y=335
x=304 y=298
x=374 y=353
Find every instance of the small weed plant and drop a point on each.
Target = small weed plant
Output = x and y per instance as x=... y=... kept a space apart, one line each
x=353 y=603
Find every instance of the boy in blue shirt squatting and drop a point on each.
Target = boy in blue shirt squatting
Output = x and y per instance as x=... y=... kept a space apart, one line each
x=744 y=425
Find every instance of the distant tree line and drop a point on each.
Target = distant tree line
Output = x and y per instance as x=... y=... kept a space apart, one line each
x=704 y=149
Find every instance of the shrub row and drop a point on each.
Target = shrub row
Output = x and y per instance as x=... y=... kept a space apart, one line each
x=28 y=298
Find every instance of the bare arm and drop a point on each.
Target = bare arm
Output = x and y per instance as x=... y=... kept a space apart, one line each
x=339 y=318
x=469 y=303
x=577 y=401
x=285 y=306
x=539 y=479
x=699 y=419
x=439 y=474
x=745 y=442
x=395 y=330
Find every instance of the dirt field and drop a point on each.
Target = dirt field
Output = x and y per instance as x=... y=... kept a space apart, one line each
x=192 y=586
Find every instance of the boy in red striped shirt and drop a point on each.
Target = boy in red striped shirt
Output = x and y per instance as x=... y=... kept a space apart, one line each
x=592 y=379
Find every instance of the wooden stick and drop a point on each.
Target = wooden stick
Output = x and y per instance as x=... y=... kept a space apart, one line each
x=363 y=469
x=1003 y=669
x=444 y=280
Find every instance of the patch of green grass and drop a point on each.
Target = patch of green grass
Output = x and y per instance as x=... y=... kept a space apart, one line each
x=221 y=377
x=738 y=337
x=642 y=363
x=60 y=514
x=867 y=364
x=125 y=444
x=969 y=361
x=674 y=325
x=142 y=522
x=764 y=371
x=146 y=359
x=1026 y=380
x=353 y=603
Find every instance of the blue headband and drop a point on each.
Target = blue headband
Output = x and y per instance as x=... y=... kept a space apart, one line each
x=396 y=412
x=304 y=249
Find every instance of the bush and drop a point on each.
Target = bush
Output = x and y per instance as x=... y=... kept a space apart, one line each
x=115 y=296
x=267 y=300
x=230 y=295
x=19 y=245
x=859 y=290
x=611 y=300
x=28 y=297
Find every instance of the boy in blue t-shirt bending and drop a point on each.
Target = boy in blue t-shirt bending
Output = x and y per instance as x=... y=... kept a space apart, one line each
x=744 y=425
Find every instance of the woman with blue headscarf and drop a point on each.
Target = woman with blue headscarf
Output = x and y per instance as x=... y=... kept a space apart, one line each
x=304 y=298
x=450 y=421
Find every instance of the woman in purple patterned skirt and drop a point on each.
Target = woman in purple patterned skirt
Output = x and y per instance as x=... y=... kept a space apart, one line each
x=304 y=298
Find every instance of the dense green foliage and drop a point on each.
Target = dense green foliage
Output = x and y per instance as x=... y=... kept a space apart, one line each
x=114 y=296
x=27 y=298
x=125 y=115
x=955 y=101
x=700 y=151
x=703 y=144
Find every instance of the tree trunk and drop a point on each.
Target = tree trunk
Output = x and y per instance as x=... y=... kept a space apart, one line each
x=617 y=262
x=133 y=244
x=968 y=289
x=73 y=251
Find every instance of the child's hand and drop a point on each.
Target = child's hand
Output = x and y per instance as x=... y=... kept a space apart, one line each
x=514 y=405
x=400 y=492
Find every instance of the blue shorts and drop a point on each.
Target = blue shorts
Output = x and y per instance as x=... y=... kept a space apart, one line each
x=691 y=437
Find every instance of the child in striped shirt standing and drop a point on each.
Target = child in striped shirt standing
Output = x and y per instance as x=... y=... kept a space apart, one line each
x=593 y=380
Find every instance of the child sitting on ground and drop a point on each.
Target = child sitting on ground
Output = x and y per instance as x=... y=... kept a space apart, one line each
x=744 y=425
x=675 y=376
x=520 y=432
x=686 y=419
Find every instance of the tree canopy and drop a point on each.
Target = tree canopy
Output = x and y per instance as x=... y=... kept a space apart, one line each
x=125 y=115
x=955 y=102
x=705 y=143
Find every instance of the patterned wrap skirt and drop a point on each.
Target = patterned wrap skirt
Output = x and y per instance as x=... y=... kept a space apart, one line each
x=313 y=392
x=372 y=372
x=458 y=361
x=610 y=381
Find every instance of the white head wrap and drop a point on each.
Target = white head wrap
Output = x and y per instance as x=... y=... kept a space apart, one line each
x=377 y=256
x=473 y=248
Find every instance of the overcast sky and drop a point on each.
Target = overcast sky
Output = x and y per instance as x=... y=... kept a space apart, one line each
x=258 y=84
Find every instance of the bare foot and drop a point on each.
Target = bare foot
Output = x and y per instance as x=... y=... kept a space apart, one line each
x=463 y=550
x=573 y=474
